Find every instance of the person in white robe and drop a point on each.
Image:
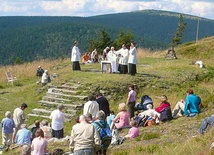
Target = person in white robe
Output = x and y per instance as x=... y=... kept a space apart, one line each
x=75 y=57
x=132 y=60
x=123 y=59
x=111 y=56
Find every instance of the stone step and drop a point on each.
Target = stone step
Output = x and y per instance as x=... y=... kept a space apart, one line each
x=74 y=87
x=48 y=112
x=43 y=116
x=66 y=95
x=72 y=106
x=57 y=90
x=50 y=98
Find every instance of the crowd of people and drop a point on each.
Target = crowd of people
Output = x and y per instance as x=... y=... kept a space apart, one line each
x=97 y=126
x=122 y=61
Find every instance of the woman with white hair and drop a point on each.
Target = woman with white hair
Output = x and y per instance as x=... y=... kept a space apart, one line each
x=7 y=124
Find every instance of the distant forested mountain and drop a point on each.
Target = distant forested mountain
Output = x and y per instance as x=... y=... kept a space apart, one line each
x=34 y=38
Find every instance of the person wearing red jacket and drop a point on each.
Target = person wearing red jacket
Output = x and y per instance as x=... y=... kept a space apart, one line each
x=164 y=104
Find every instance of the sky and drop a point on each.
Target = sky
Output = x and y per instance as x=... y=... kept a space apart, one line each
x=85 y=8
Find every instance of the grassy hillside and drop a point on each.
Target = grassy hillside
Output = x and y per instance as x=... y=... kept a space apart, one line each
x=156 y=76
x=36 y=38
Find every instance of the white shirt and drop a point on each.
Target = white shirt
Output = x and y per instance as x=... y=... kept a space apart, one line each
x=44 y=78
x=91 y=107
x=58 y=118
x=18 y=117
x=132 y=56
x=75 y=54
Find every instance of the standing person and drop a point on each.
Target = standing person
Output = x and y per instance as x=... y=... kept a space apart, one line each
x=132 y=59
x=39 y=144
x=19 y=118
x=91 y=107
x=23 y=135
x=75 y=57
x=131 y=100
x=7 y=125
x=123 y=60
x=192 y=104
x=103 y=103
x=84 y=137
x=58 y=119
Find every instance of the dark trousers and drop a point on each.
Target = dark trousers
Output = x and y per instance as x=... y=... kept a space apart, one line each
x=76 y=65
x=58 y=133
x=131 y=106
x=132 y=69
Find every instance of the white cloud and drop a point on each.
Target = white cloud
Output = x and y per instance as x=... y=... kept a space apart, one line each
x=202 y=8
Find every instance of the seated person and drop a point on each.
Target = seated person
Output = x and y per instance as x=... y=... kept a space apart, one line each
x=100 y=124
x=122 y=118
x=33 y=130
x=45 y=78
x=110 y=118
x=26 y=149
x=192 y=104
x=85 y=58
x=46 y=129
x=206 y=124
x=178 y=109
x=191 y=108
x=149 y=112
x=89 y=118
x=23 y=135
x=163 y=105
x=133 y=131
x=39 y=72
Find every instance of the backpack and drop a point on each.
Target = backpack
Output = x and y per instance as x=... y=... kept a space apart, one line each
x=105 y=135
x=166 y=114
x=145 y=100
x=141 y=120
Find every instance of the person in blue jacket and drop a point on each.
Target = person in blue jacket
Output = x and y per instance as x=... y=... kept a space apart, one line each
x=192 y=104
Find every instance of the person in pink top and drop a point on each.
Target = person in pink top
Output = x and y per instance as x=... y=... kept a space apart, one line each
x=122 y=118
x=131 y=100
x=39 y=144
x=134 y=131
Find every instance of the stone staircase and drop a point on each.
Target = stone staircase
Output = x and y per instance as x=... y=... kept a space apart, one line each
x=64 y=94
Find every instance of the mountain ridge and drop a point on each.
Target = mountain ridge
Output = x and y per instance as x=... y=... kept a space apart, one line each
x=39 y=37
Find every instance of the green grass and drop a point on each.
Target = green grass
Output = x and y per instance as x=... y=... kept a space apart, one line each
x=156 y=76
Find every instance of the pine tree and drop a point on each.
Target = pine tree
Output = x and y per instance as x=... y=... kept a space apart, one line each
x=179 y=32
